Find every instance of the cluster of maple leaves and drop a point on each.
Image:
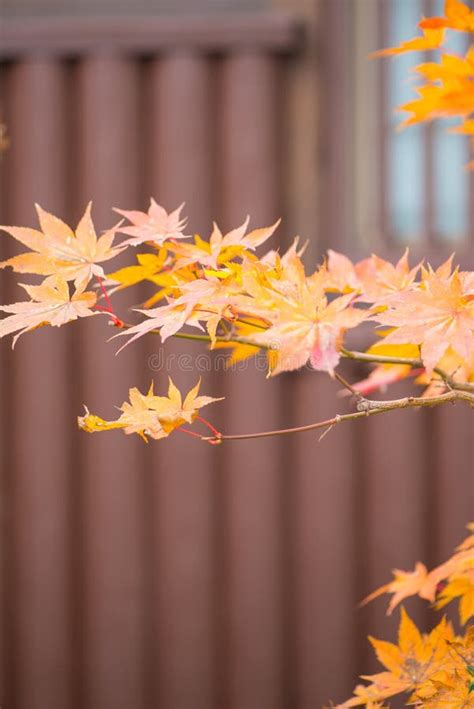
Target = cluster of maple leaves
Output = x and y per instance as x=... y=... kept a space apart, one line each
x=220 y=287
x=435 y=670
x=446 y=85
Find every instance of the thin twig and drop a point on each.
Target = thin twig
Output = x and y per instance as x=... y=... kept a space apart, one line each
x=415 y=363
x=347 y=385
x=229 y=340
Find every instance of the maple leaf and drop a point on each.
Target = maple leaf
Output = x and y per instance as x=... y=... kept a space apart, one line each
x=202 y=300
x=466 y=127
x=150 y=415
x=50 y=304
x=437 y=315
x=372 y=277
x=460 y=587
x=451 y=69
x=210 y=300
x=278 y=261
x=58 y=249
x=147 y=268
x=448 y=691
x=439 y=102
x=156 y=225
x=451 y=363
x=385 y=374
x=431 y=39
x=405 y=584
x=168 y=319
x=343 y=276
x=455 y=576
x=305 y=325
x=458 y=16
x=463 y=648
x=380 y=378
x=380 y=279
x=409 y=664
x=222 y=248
x=453 y=96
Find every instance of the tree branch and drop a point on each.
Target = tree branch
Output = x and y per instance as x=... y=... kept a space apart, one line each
x=365 y=407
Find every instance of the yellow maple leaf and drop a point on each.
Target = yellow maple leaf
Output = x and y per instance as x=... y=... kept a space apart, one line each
x=150 y=415
x=146 y=269
x=222 y=248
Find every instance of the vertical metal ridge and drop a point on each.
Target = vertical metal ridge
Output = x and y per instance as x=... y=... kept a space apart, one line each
x=251 y=482
x=40 y=440
x=323 y=546
x=395 y=511
x=112 y=466
x=179 y=131
x=452 y=444
x=336 y=149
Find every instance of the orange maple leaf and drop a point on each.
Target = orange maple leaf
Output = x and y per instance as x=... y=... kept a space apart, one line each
x=405 y=584
x=462 y=587
x=458 y=16
x=447 y=691
x=466 y=127
x=455 y=577
x=439 y=102
x=409 y=664
x=452 y=69
x=431 y=39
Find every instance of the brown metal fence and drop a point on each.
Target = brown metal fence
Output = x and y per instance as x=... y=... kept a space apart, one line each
x=176 y=575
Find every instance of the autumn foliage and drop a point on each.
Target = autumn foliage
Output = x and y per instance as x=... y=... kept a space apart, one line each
x=432 y=670
x=230 y=293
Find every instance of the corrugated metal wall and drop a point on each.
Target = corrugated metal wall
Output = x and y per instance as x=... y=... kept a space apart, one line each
x=176 y=575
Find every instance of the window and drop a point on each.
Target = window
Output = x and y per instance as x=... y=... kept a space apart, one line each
x=417 y=175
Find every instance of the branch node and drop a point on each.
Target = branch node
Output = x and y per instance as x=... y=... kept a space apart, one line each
x=363 y=405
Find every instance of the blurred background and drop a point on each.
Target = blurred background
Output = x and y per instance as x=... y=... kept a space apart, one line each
x=176 y=575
